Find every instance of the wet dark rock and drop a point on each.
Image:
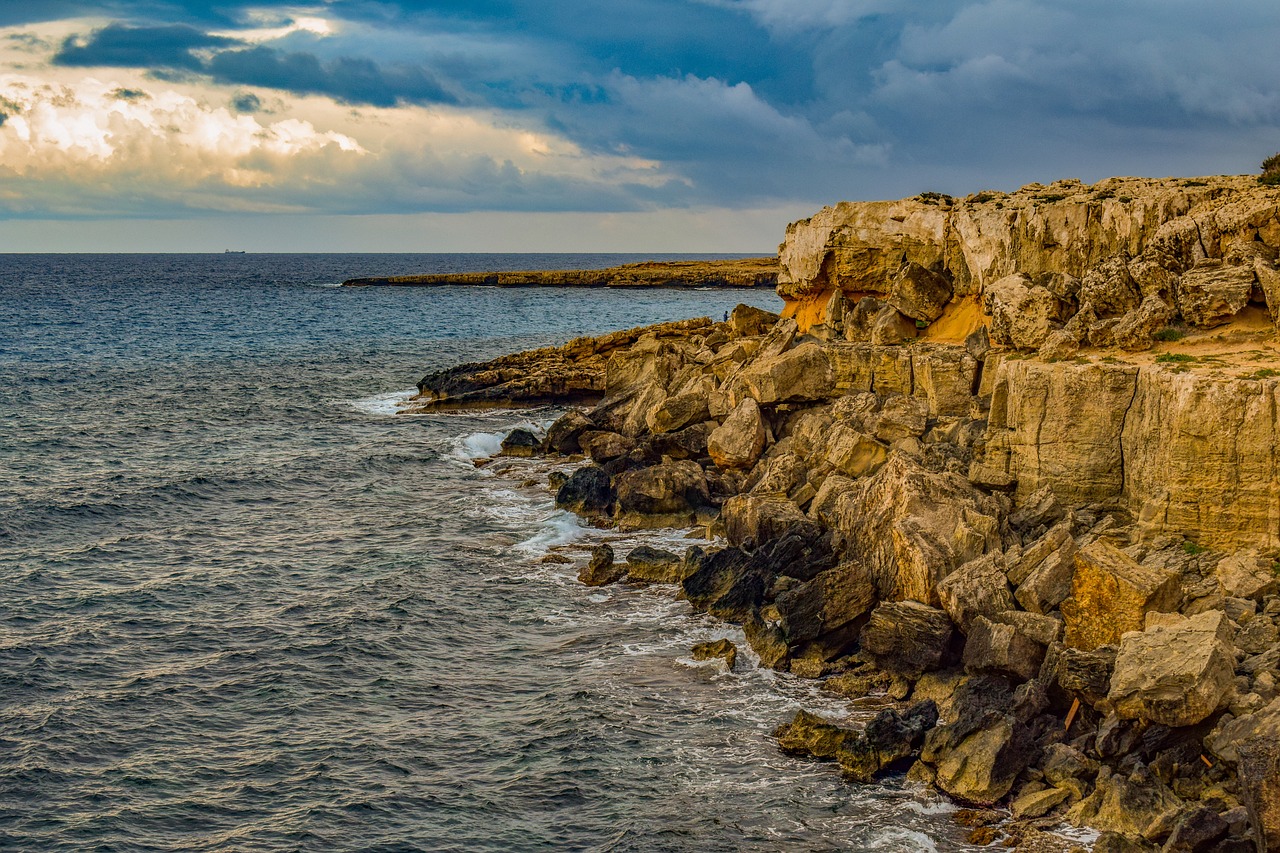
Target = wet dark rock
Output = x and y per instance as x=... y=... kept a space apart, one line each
x=1086 y=675
x=1195 y=831
x=1136 y=804
x=909 y=638
x=724 y=649
x=834 y=599
x=562 y=436
x=889 y=739
x=604 y=446
x=653 y=565
x=767 y=641
x=981 y=767
x=520 y=442
x=665 y=489
x=999 y=648
x=688 y=443
x=601 y=570
x=588 y=491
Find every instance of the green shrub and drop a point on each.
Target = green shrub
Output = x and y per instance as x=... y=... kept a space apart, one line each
x=1175 y=358
x=1270 y=171
x=1192 y=548
x=1170 y=333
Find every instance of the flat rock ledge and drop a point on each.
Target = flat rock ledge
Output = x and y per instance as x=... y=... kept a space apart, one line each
x=745 y=272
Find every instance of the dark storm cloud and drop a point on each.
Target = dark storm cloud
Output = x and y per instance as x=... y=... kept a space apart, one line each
x=139 y=47
x=755 y=101
x=347 y=79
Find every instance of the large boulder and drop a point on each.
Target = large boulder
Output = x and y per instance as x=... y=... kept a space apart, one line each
x=729 y=584
x=1247 y=575
x=739 y=441
x=521 y=442
x=1136 y=804
x=889 y=739
x=901 y=417
x=679 y=411
x=756 y=519
x=912 y=527
x=1001 y=648
x=919 y=293
x=834 y=600
x=981 y=769
x=749 y=321
x=588 y=491
x=978 y=588
x=1048 y=583
x=854 y=453
x=801 y=373
x=1022 y=314
x=908 y=638
x=562 y=436
x=1212 y=292
x=653 y=565
x=1111 y=594
x=1176 y=672
x=662 y=493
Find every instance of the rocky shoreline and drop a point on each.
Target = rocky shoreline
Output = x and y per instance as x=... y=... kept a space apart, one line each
x=744 y=272
x=1008 y=462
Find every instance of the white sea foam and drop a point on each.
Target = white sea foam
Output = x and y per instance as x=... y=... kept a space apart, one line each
x=479 y=445
x=382 y=404
x=558 y=528
x=900 y=840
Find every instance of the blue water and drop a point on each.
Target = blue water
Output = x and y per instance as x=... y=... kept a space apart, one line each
x=245 y=606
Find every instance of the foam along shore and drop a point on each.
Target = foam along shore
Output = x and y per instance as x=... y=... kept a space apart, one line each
x=744 y=272
x=1009 y=462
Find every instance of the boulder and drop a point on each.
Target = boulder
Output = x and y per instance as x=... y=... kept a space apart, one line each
x=1062 y=763
x=1035 y=626
x=1081 y=674
x=520 y=442
x=860 y=320
x=919 y=293
x=1111 y=595
x=833 y=600
x=901 y=417
x=1195 y=831
x=652 y=565
x=688 y=443
x=601 y=569
x=912 y=527
x=1137 y=328
x=1136 y=804
x=997 y=648
x=802 y=373
x=1038 y=803
x=978 y=588
x=1176 y=673
x=1247 y=575
x=1049 y=583
x=713 y=649
x=776 y=475
x=588 y=491
x=749 y=321
x=890 y=327
x=755 y=519
x=1212 y=292
x=908 y=638
x=854 y=453
x=562 y=436
x=1109 y=288
x=663 y=490
x=1022 y=314
x=739 y=441
x=677 y=412
x=767 y=641
x=729 y=584
x=809 y=734
x=888 y=739
x=603 y=446
x=981 y=769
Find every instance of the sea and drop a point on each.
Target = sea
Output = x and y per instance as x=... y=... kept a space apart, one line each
x=245 y=605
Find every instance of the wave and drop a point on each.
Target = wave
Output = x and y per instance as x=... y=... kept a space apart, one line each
x=381 y=405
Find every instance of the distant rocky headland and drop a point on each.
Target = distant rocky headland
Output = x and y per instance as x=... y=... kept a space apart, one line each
x=745 y=272
x=1007 y=465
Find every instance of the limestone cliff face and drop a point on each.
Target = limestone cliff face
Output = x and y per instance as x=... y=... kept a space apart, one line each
x=1122 y=257
x=1070 y=284
x=1184 y=453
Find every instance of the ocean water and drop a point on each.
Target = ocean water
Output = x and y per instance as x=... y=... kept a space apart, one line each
x=246 y=606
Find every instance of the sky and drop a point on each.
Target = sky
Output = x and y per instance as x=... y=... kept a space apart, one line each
x=567 y=125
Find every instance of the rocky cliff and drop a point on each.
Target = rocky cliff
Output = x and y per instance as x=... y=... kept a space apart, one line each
x=1011 y=462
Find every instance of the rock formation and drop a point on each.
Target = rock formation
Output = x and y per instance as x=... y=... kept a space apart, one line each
x=746 y=272
x=1009 y=461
